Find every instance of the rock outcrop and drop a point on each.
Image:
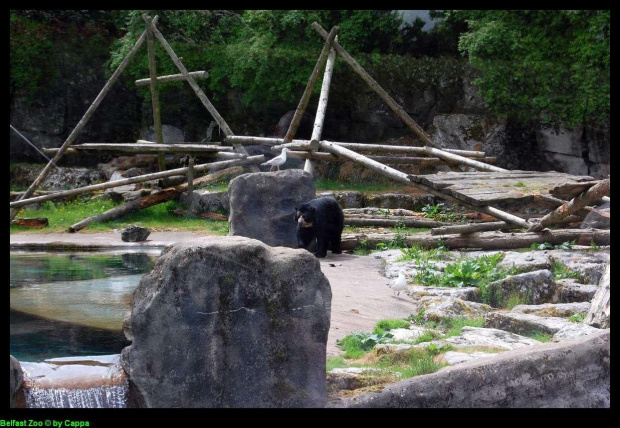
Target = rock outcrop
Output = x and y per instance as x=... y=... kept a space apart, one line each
x=262 y=205
x=230 y=322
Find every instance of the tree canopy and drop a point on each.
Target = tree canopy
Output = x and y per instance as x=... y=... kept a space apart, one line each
x=549 y=66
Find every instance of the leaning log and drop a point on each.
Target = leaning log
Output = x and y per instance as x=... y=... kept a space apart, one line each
x=321 y=109
x=199 y=93
x=484 y=240
x=33 y=222
x=593 y=194
x=404 y=178
x=393 y=160
x=154 y=199
x=252 y=160
x=456 y=159
x=71 y=138
x=173 y=78
x=372 y=83
x=305 y=98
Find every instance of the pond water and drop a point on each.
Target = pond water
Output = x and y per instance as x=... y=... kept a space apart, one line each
x=64 y=305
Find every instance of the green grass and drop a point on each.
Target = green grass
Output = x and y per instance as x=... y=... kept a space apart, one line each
x=158 y=217
x=330 y=184
x=515 y=299
x=561 y=271
x=387 y=325
x=577 y=317
x=414 y=362
x=540 y=336
x=455 y=325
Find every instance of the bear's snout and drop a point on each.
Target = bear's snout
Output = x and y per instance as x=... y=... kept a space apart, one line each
x=302 y=222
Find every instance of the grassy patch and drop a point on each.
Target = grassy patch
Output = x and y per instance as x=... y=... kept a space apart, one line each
x=364 y=187
x=387 y=325
x=561 y=271
x=158 y=218
x=515 y=299
x=455 y=325
x=540 y=336
x=359 y=343
x=577 y=317
x=441 y=212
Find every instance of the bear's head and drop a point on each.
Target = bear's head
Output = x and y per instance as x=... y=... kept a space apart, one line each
x=305 y=215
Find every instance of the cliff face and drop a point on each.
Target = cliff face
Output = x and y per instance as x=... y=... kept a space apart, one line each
x=436 y=92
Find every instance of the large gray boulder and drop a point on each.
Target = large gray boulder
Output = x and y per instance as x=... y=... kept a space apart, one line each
x=572 y=373
x=16 y=378
x=598 y=315
x=534 y=287
x=262 y=205
x=229 y=322
x=135 y=233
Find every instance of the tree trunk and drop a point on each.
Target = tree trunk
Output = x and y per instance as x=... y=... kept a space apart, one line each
x=35 y=222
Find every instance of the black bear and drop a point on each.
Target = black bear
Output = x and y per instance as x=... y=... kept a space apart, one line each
x=322 y=220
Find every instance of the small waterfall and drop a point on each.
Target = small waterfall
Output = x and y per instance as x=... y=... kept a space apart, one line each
x=99 y=397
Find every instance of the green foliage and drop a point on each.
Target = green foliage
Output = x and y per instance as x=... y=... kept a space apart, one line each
x=560 y=271
x=577 y=317
x=550 y=65
x=547 y=246
x=540 y=336
x=476 y=272
x=267 y=55
x=593 y=247
x=357 y=344
x=449 y=326
x=515 y=299
x=159 y=217
x=387 y=325
x=441 y=212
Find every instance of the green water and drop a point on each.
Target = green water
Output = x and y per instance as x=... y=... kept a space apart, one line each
x=65 y=305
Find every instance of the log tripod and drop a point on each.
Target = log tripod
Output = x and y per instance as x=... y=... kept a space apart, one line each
x=148 y=35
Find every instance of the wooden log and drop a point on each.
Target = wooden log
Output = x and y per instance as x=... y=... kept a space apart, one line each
x=248 y=140
x=211 y=143
x=454 y=158
x=401 y=160
x=593 y=194
x=404 y=178
x=159 y=137
x=139 y=179
x=486 y=227
x=201 y=95
x=351 y=221
x=149 y=148
x=190 y=178
x=317 y=130
x=375 y=211
x=150 y=200
x=78 y=128
x=33 y=222
x=307 y=146
x=173 y=78
x=400 y=112
x=305 y=98
x=484 y=240
x=278 y=143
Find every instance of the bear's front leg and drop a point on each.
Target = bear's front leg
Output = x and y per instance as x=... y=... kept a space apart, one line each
x=321 y=247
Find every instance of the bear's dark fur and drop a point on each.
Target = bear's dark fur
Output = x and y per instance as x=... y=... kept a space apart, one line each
x=322 y=220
